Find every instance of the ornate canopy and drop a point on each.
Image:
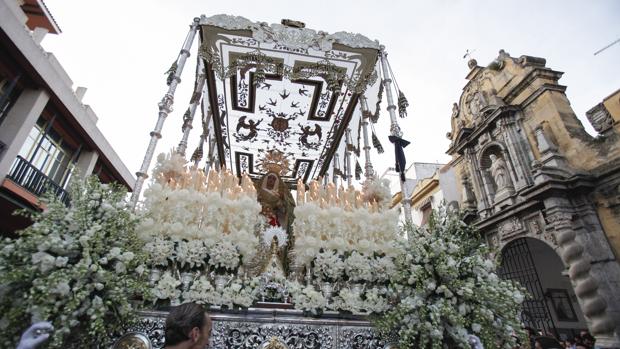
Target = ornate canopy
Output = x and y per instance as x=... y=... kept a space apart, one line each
x=282 y=88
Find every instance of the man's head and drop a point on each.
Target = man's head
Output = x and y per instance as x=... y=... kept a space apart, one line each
x=188 y=324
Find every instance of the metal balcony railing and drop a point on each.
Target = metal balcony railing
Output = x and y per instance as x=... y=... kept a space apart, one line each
x=32 y=179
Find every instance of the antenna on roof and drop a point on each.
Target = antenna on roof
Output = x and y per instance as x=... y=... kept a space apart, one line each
x=468 y=53
x=606 y=47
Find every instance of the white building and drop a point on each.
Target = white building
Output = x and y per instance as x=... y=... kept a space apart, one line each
x=46 y=132
x=427 y=186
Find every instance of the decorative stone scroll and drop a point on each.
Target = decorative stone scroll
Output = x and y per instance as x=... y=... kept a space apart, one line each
x=511 y=229
x=600 y=118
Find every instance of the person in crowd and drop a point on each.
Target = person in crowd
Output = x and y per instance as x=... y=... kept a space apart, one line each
x=188 y=326
x=570 y=343
x=35 y=335
x=474 y=342
x=588 y=339
x=546 y=342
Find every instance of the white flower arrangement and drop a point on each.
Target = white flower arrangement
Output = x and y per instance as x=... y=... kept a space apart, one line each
x=308 y=299
x=383 y=268
x=344 y=231
x=191 y=253
x=448 y=289
x=160 y=251
x=328 y=266
x=201 y=291
x=350 y=300
x=224 y=255
x=378 y=191
x=236 y=292
x=167 y=287
x=77 y=267
x=194 y=223
x=359 y=268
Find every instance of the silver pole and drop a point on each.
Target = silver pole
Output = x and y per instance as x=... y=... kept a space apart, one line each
x=187 y=123
x=165 y=107
x=347 y=156
x=394 y=128
x=335 y=169
x=368 y=170
x=210 y=160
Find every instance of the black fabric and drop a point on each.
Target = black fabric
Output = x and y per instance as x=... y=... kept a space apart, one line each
x=358 y=171
x=399 y=154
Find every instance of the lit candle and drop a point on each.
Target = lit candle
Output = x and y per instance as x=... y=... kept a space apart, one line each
x=342 y=197
x=301 y=192
x=358 y=200
x=314 y=191
x=331 y=194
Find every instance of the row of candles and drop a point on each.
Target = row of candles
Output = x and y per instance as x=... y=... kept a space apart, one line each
x=333 y=196
x=229 y=186
x=223 y=182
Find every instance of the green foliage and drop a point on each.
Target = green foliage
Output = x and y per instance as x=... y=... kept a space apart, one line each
x=446 y=288
x=77 y=267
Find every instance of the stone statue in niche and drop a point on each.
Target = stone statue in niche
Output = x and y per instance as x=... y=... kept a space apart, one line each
x=499 y=172
x=485 y=101
x=478 y=101
x=501 y=177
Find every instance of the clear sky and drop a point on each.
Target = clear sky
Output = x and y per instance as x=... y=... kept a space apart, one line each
x=120 y=50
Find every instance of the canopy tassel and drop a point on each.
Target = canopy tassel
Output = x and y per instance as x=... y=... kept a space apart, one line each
x=197 y=154
x=171 y=72
x=402 y=104
x=375 y=117
x=259 y=75
x=358 y=171
x=376 y=143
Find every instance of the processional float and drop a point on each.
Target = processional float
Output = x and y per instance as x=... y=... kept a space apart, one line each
x=279 y=106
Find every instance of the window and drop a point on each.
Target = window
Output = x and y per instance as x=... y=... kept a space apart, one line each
x=45 y=150
x=8 y=94
x=427 y=210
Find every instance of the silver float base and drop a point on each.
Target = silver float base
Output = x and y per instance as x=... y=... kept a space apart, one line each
x=263 y=328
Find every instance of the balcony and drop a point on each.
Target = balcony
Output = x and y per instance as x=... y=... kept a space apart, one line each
x=33 y=180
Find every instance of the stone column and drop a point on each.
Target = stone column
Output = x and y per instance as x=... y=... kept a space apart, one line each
x=476 y=179
x=17 y=125
x=586 y=286
x=519 y=158
x=86 y=163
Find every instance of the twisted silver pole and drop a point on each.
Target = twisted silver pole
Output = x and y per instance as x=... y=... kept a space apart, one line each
x=188 y=118
x=347 y=157
x=165 y=107
x=368 y=170
x=394 y=127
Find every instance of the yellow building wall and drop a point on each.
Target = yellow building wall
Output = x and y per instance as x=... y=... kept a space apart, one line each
x=518 y=83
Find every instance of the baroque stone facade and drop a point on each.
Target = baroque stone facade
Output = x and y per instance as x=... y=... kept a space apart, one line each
x=527 y=168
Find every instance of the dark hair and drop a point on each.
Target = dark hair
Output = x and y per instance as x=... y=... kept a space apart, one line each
x=181 y=320
x=588 y=337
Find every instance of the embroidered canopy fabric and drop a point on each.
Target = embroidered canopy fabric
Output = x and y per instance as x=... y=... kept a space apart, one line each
x=283 y=87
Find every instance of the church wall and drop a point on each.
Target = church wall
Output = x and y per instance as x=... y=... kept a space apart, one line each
x=608 y=210
x=563 y=184
x=612 y=104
